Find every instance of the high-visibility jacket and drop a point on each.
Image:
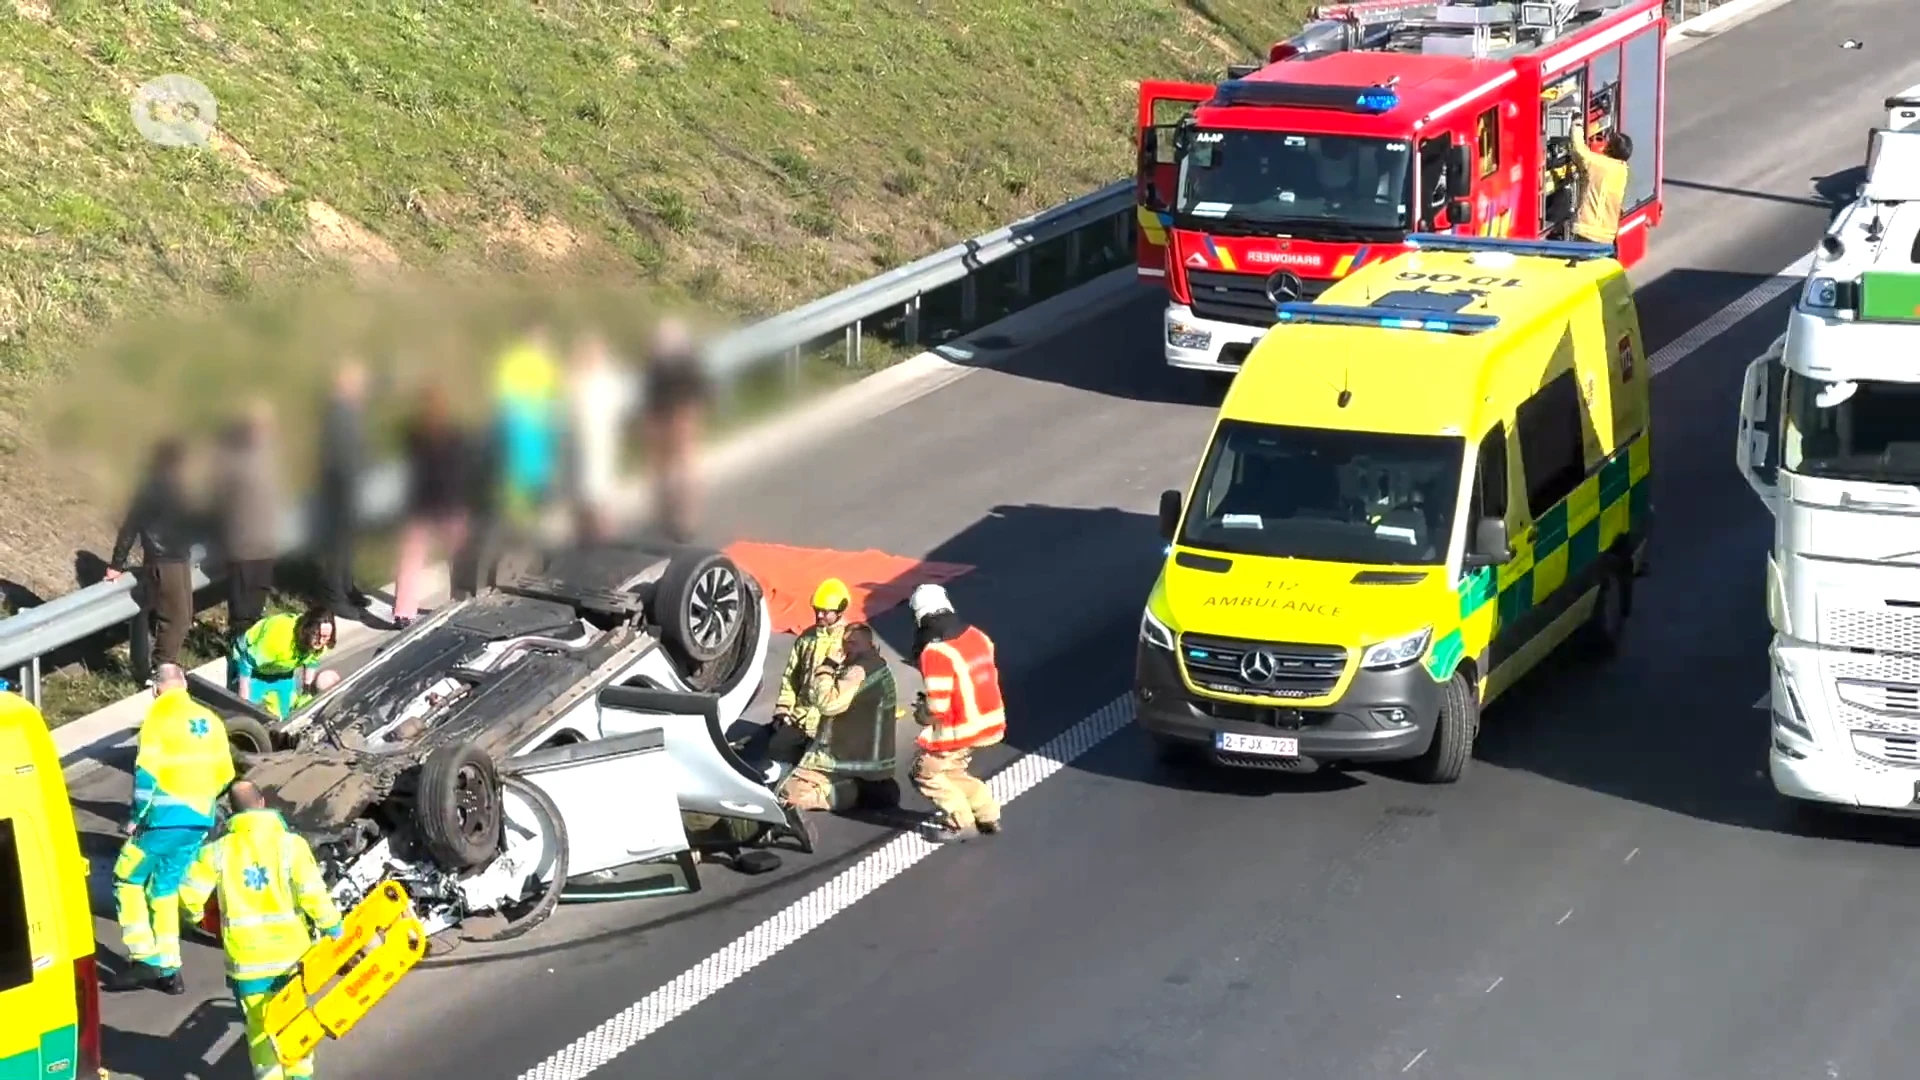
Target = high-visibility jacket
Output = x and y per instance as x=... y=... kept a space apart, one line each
x=964 y=709
x=270 y=891
x=271 y=649
x=182 y=765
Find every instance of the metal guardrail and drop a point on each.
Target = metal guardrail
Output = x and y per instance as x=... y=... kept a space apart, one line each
x=948 y=293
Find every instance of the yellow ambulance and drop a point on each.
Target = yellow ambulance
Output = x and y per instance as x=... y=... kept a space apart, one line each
x=49 y=986
x=1418 y=485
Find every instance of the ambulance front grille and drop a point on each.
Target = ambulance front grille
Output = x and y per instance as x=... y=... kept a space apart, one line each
x=1300 y=672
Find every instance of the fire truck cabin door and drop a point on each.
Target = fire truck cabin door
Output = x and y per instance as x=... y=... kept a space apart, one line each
x=1162 y=106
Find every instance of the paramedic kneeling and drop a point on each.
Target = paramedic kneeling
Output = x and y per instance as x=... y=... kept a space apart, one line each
x=182 y=765
x=270 y=892
x=277 y=664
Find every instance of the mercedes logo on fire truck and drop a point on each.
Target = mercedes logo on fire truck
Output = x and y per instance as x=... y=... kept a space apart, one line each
x=1284 y=287
x=1258 y=666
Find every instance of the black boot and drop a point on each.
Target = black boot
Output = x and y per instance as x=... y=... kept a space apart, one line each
x=171 y=984
x=135 y=976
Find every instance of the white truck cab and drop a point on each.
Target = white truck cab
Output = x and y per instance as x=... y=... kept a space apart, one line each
x=1903 y=109
x=1830 y=440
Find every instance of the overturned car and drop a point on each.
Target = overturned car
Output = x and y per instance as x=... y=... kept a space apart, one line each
x=550 y=731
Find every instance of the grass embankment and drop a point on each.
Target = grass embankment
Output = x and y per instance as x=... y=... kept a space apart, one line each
x=739 y=157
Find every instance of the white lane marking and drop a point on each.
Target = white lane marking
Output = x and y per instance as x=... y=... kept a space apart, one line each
x=226 y=1042
x=1765 y=702
x=1408 y=1067
x=1496 y=983
x=1723 y=320
x=1564 y=918
x=1630 y=856
x=653 y=1012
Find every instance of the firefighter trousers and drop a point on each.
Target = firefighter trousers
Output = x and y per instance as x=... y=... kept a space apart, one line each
x=260 y=1051
x=146 y=893
x=943 y=778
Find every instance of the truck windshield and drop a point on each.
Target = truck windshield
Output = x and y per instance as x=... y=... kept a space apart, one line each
x=1864 y=430
x=1299 y=181
x=1331 y=496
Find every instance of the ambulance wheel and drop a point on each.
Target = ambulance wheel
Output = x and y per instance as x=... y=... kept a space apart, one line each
x=1606 y=628
x=457 y=806
x=247 y=737
x=1446 y=758
x=536 y=836
x=700 y=604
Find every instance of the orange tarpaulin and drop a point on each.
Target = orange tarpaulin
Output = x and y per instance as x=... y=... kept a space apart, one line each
x=877 y=580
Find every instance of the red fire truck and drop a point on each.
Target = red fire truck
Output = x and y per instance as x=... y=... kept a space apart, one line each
x=1376 y=120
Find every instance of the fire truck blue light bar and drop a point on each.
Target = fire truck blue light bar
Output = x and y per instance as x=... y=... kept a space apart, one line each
x=1366 y=99
x=1390 y=318
x=1550 y=249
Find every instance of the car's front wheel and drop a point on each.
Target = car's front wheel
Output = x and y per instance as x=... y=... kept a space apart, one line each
x=700 y=604
x=457 y=806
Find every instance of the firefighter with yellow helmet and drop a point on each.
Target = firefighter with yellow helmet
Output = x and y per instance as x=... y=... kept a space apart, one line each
x=811 y=666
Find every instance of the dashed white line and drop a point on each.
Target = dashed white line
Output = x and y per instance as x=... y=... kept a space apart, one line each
x=1630 y=856
x=1408 y=1067
x=1727 y=317
x=1498 y=979
x=641 y=1019
x=1562 y=919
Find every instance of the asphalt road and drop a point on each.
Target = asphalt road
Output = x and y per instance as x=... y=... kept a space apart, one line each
x=1613 y=891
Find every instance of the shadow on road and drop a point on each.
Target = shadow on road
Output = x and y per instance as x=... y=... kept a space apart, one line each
x=208 y=1045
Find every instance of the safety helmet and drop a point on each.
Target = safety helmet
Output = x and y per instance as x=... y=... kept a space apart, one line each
x=928 y=600
x=832 y=595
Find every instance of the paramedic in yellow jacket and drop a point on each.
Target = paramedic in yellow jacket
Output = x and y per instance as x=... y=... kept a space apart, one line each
x=182 y=766
x=277 y=664
x=272 y=903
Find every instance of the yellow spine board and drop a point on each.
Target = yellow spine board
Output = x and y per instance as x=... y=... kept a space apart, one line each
x=380 y=940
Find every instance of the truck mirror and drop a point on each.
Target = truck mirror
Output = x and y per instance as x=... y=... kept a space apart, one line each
x=1460 y=212
x=1459 y=172
x=1490 y=546
x=1759 y=407
x=1169 y=514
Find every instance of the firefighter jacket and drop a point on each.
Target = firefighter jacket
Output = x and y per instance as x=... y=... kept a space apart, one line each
x=962 y=707
x=1603 y=191
x=857 y=704
x=814 y=649
x=182 y=765
x=270 y=892
x=271 y=650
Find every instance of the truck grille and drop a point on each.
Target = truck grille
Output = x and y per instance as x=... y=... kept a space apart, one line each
x=1899 y=751
x=1299 y=671
x=1884 y=629
x=1238 y=298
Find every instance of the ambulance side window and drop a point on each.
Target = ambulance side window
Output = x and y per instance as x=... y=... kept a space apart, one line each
x=16 y=940
x=1552 y=429
x=1490 y=476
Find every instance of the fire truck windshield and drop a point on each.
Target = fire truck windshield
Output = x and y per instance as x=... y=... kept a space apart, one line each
x=1306 y=183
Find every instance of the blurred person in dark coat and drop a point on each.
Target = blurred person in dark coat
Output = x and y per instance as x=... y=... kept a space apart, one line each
x=438 y=459
x=164 y=520
x=247 y=501
x=676 y=395
x=336 y=510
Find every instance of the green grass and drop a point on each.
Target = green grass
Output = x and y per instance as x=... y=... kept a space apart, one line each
x=590 y=159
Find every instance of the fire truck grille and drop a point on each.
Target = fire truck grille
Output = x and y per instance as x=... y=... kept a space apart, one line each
x=1235 y=298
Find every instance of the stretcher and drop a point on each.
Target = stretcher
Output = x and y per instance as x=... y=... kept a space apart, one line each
x=340 y=979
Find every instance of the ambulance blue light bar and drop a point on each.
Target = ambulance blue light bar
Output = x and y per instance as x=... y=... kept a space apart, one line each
x=1364 y=99
x=1392 y=318
x=1574 y=250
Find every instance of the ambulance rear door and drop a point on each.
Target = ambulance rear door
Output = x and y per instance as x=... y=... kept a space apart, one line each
x=1162 y=106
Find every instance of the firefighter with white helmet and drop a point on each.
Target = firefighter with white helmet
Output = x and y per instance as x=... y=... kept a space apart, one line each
x=960 y=711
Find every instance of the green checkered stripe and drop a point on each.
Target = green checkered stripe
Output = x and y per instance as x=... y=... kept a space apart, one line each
x=58 y=1054
x=1608 y=486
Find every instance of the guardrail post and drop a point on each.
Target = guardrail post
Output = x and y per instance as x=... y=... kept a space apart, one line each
x=969 y=300
x=793 y=367
x=30 y=681
x=1073 y=258
x=912 y=327
x=140 y=641
x=853 y=344
x=1023 y=275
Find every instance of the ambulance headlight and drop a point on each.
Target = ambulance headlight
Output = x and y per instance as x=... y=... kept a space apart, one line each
x=1183 y=335
x=1154 y=632
x=1400 y=650
x=1822 y=292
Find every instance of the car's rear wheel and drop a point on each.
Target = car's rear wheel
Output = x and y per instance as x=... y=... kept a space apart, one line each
x=536 y=833
x=247 y=737
x=457 y=806
x=700 y=604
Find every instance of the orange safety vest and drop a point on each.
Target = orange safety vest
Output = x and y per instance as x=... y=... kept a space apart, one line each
x=964 y=707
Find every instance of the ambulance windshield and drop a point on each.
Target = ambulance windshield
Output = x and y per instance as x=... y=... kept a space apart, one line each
x=1306 y=183
x=1330 y=496
x=1866 y=430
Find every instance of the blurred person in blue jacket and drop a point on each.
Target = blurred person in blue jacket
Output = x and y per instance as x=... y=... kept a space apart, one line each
x=529 y=419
